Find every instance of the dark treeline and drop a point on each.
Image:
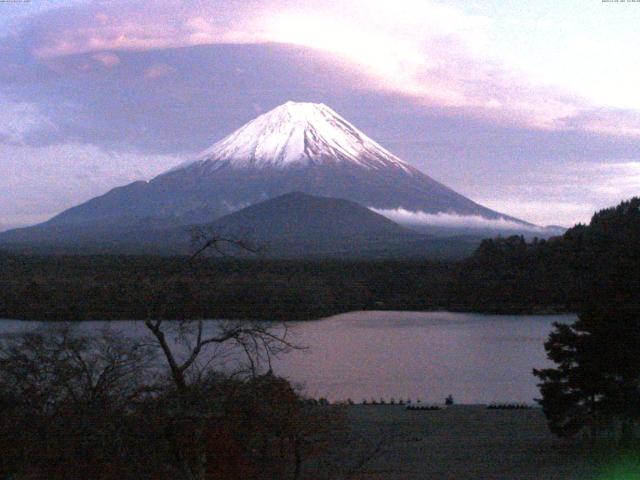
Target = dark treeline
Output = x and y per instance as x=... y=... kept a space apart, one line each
x=595 y=382
x=118 y=287
x=599 y=261
x=504 y=275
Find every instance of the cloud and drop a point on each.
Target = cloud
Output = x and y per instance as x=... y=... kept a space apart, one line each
x=441 y=55
x=547 y=210
x=608 y=121
x=120 y=25
x=107 y=59
x=565 y=194
x=19 y=120
x=452 y=220
x=158 y=70
x=39 y=182
x=619 y=180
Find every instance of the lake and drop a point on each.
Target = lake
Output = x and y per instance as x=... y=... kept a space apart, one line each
x=416 y=355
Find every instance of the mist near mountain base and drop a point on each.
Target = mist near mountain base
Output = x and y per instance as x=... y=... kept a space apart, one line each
x=452 y=220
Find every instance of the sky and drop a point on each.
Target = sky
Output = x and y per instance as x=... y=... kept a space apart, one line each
x=530 y=108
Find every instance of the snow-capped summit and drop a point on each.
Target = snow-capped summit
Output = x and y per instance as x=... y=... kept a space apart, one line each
x=299 y=133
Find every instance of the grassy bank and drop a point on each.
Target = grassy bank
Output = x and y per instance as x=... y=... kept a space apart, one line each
x=471 y=442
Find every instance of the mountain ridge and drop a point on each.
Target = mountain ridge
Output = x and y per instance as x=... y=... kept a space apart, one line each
x=291 y=226
x=295 y=147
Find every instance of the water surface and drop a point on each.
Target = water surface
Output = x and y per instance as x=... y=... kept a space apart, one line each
x=427 y=355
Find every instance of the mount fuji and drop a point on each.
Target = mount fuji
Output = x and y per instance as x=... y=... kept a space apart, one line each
x=296 y=147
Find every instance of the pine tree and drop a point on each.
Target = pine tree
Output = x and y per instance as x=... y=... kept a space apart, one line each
x=596 y=381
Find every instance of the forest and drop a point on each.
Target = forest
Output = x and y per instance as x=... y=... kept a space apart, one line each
x=504 y=275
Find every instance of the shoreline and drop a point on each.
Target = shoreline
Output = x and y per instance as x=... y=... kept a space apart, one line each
x=540 y=311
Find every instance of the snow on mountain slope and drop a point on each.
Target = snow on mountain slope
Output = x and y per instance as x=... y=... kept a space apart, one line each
x=299 y=133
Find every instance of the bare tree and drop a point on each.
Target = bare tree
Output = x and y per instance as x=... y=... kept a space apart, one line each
x=184 y=344
x=55 y=365
x=188 y=356
x=67 y=395
x=191 y=347
x=207 y=241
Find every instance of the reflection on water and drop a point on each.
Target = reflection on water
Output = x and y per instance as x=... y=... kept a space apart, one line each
x=427 y=355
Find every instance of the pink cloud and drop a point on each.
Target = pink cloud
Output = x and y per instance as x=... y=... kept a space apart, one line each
x=107 y=59
x=435 y=53
x=157 y=71
x=123 y=25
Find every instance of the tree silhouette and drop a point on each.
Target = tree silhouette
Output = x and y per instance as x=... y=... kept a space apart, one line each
x=596 y=381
